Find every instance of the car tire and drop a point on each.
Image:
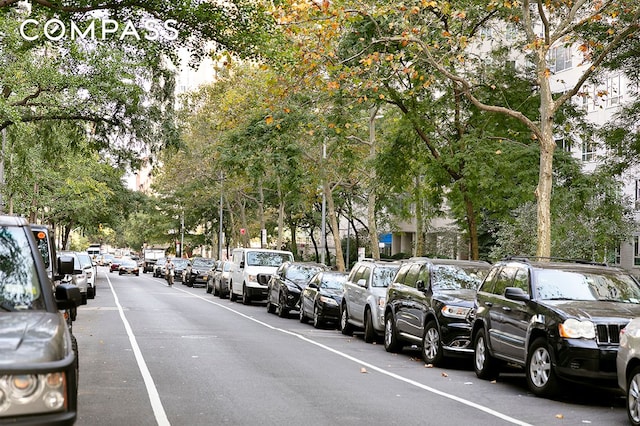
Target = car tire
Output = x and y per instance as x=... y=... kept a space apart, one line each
x=246 y=299
x=318 y=322
x=345 y=327
x=369 y=332
x=485 y=366
x=541 y=376
x=303 y=318
x=137 y=274
x=432 y=352
x=76 y=361
x=633 y=397
x=270 y=308
x=232 y=295
x=91 y=293
x=391 y=342
x=282 y=311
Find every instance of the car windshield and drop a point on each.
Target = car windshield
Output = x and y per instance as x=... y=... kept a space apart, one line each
x=226 y=267
x=383 y=275
x=552 y=284
x=19 y=284
x=128 y=263
x=180 y=263
x=85 y=260
x=203 y=263
x=455 y=277
x=265 y=258
x=302 y=273
x=333 y=281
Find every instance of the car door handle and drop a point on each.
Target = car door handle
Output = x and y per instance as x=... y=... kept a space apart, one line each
x=489 y=304
x=506 y=308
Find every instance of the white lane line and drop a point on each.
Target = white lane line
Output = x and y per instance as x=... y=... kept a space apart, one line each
x=373 y=367
x=152 y=391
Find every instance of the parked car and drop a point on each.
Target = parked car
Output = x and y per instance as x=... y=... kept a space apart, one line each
x=90 y=270
x=218 y=282
x=558 y=320
x=197 y=271
x=429 y=304
x=628 y=368
x=287 y=283
x=39 y=355
x=78 y=277
x=158 y=267
x=247 y=265
x=321 y=298
x=129 y=267
x=179 y=266
x=364 y=298
x=107 y=258
x=114 y=265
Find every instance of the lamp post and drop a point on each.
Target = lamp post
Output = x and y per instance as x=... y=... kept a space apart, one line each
x=220 y=220
x=323 y=224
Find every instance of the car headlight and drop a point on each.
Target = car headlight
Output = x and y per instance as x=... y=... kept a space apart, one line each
x=382 y=302
x=328 y=301
x=32 y=393
x=253 y=278
x=452 y=311
x=576 y=329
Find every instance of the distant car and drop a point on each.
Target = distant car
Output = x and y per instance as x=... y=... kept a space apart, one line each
x=128 y=266
x=430 y=303
x=107 y=258
x=90 y=270
x=321 y=299
x=220 y=279
x=114 y=265
x=78 y=277
x=180 y=265
x=197 y=271
x=628 y=368
x=287 y=283
x=158 y=267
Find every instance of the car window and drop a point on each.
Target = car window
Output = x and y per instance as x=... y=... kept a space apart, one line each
x=227 y=266
x=521 y=280
x=366 y=274
x=19 y=283
x=412 y=275
x=503 y=280
x=554 y=284
x=356 y=274
x=423 y=275
x=383 y=275
x=265 y=258
x=43 y=246
x=490 y=281
x=333 y=282
x=300 y=273
x=85 y=260
x=402 y=273
x=454 y=277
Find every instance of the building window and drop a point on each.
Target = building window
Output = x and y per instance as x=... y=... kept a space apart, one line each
x=614 y=93
x=563 y=144
x=588 y=151
x=561 y=58
x=637 y=194
x=636 y=250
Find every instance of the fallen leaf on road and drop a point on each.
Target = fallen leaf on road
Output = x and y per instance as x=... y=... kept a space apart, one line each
x=363 y=370
x=428 y=366
x=559 y=416
x=492 y=382
x=445 y=375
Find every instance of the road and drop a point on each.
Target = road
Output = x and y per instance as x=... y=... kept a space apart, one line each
x=154 y=355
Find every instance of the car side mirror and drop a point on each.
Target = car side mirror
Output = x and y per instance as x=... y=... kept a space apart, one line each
x=516 y=293
x=65 y=266
x=68 y=296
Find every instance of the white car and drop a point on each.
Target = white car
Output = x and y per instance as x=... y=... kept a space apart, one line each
x=91 y=271
x=628 y=367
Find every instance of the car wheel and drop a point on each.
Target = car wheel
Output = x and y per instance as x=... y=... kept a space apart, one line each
x=76 y=362
x=369 y=332
x=391 y=343
x=211 y=290
x=483 y=363
x=137 y=274
x=317 y=320
x=91 y=293
x=633 y=397
x=541 y=377
x=282 y=310
x=246 y=299
x=303 y=318
x=432 y=344
x=270 y=308
x=232 y=295
x=345 y=327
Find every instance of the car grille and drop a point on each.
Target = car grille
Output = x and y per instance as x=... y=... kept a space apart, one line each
x=609 y=334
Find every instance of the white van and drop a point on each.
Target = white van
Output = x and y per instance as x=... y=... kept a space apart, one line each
x=246 y=264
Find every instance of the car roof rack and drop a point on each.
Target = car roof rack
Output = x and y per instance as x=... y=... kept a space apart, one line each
x=555 y=259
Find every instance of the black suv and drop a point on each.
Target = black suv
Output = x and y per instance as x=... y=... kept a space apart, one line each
x=286 y=284
x=557 y=319
x=39 y=367
x=429 y=304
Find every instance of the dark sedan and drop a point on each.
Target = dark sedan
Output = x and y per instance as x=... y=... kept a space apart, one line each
x=286 y=284
x=198 y=271
x=321 y=299
x=129 y=266
x=179 y=266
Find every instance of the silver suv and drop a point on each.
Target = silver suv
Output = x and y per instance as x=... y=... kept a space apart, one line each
x=365 y=295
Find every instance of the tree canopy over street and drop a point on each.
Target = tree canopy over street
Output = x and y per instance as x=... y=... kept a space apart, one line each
x=397 y=111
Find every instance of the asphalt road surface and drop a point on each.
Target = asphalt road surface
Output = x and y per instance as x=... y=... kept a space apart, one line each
x=154 y=355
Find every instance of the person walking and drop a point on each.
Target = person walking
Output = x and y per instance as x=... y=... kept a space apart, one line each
x=169 y=271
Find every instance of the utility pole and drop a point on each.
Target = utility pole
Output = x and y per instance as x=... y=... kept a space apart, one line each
x=323 y=226
x=220 y=219
x=4 y=142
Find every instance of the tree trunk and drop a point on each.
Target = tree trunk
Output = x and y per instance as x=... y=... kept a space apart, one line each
x=331 y=210
x=280 y=216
